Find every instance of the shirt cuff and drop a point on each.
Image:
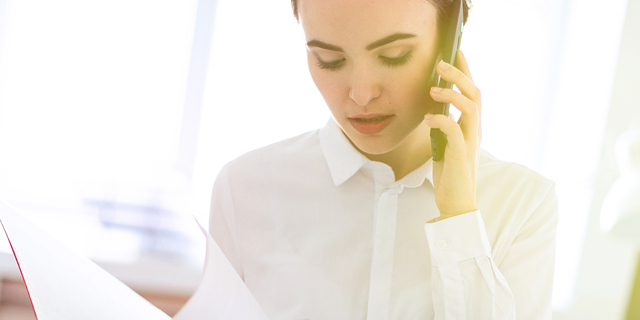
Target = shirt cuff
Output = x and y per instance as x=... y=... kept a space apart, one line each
x=457 y=238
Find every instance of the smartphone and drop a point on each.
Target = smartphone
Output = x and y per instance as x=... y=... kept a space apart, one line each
x=449 y=50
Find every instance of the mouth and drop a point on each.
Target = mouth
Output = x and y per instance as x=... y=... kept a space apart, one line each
x=369 y=124
x=370 y=119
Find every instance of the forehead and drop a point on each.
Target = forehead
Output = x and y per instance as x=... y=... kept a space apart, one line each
x=345 y=22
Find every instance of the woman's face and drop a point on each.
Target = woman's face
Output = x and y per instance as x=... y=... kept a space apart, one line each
x=373 y=62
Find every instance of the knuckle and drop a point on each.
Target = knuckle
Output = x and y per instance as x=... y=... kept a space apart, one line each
x=456 y=158
x=453 y=130
x=468 y=106
x=475 y=108
x=441 y=118
x=451 y=93
x=457 y=73
x=476 y=93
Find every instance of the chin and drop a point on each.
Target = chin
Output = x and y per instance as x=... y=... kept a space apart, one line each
x=376 y=149
x=384 y=142
x=374 y=145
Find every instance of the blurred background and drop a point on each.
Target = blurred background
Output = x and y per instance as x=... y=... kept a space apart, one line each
x=116 y=116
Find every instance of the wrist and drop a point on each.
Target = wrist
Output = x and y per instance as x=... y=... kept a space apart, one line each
x=450 y=214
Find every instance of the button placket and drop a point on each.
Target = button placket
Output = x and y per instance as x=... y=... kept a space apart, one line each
x=383 y=252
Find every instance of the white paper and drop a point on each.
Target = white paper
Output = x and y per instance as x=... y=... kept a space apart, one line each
x=63 y=285
x=222 y=294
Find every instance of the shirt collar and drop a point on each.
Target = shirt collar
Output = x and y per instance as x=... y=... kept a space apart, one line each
x=417 y=176
x=344 y=160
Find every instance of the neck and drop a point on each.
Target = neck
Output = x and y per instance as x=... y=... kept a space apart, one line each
x=413 y=152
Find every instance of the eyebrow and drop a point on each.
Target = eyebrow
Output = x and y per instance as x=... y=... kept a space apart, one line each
x=376 y=44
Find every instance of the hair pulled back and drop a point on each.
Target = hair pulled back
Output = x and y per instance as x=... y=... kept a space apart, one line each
x=443 y=7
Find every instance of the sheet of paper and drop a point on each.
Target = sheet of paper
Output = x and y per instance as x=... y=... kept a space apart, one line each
x=63 y=285
x=222 y=295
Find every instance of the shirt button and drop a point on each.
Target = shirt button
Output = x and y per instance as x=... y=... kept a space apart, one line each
x=441 y=244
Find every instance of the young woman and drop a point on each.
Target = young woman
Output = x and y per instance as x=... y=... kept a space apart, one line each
x=354 y=220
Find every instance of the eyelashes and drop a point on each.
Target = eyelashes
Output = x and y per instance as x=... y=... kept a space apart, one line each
x=390 y=62
x=333 y=65
x=396 y=62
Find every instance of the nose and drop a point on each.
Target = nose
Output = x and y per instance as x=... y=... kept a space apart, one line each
x=364 y=86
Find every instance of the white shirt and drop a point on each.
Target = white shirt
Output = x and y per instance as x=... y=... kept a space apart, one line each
x=318 y=231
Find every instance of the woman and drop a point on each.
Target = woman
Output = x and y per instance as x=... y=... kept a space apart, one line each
x=355 y=220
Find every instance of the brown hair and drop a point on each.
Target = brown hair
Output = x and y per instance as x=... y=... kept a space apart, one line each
x=441 y=5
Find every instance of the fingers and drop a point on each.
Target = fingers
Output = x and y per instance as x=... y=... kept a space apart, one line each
x=469 y=118
x=462 y=65
x=455 y=138
x=460 y=79
x=471 y=112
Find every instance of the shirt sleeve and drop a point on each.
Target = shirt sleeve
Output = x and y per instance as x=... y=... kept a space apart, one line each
x=467 y=284
x=222 y=224
x=529 y=263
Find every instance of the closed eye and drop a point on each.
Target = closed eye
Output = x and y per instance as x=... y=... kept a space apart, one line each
x=391 y=62
x=396 y=62
x=331 y=65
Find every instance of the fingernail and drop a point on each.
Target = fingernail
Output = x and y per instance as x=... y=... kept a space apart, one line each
x=428 y=116
x=436 y=89
x=444 y=65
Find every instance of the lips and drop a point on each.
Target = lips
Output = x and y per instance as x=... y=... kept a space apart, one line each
x=370 y=123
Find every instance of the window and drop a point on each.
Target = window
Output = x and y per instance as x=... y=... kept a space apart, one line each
x=92 y=96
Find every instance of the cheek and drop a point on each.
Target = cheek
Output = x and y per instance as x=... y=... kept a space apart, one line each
x=329 y=85
x=411 y=89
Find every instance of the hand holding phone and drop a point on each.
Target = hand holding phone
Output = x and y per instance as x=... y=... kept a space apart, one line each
x=454 y=176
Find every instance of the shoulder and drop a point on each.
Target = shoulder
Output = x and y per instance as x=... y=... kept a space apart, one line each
x=508 y=191
x=504 y=176
x=286 y=158
x=516 y=204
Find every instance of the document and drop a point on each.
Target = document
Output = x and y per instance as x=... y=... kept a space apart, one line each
x=63 y=285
